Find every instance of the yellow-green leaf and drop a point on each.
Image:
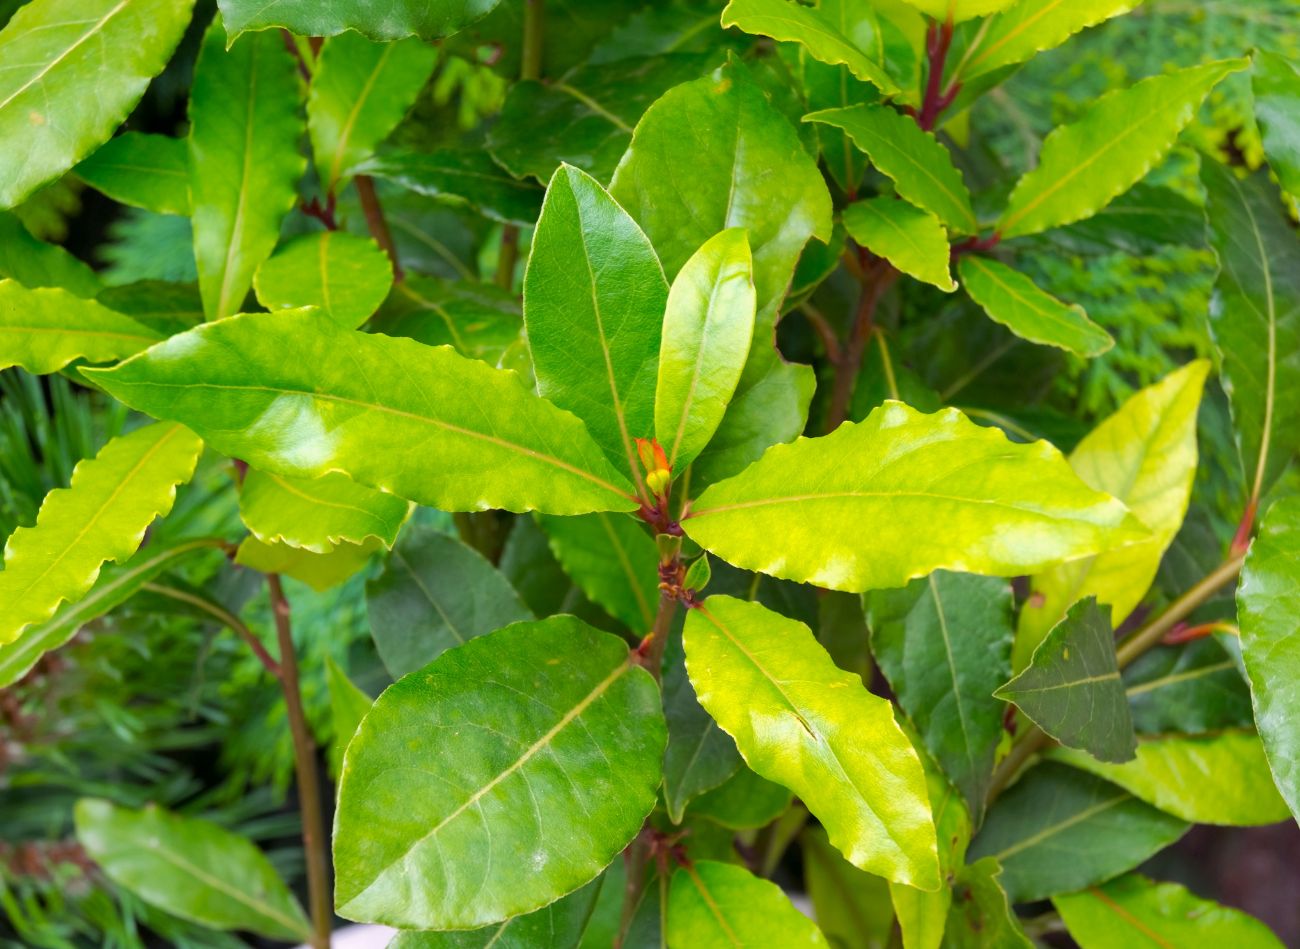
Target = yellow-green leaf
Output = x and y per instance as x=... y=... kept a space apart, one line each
x=346 y=276
x=144 y=171
x=1031 y=26
x=1012 y=299
x=43 y=330
x=911 y=239
x=721 y=906
x=318 y=513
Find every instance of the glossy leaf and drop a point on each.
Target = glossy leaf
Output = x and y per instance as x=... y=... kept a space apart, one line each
x=823 y=37
x=346 y=276
x=244 y=160
x=116 y=584
x=559 y=739
x=745 y=801
x=295 y=395
x=944 y=644
x=980 y=917
x=428 y=19
x=911 y=239
x=1192 y=689
x=851 y=907
x=461 y=178
x=61 y=96
x=479 y=320
x=1216 y=779
x=1029 y=27
x=144 y=171
x=557 y=926
x=803 y=723
x=707 y=330
x=1086 y=164
x=190 y=868
x=1012 y=299
x=1268 y=602
x=101 y=516
x=832 y=87
x=920 y=167
x=1142 y=914
x=1145 y=455
x=318 y=513
x=1255 y=319
x=435 y=594
x=360 y=90
x=320 y=571
x=923 y=916
x=348 y=706
x=613 y=559
x=594 y=297
x=34 y=263
x=959 y=10
x=1072 y=689
x=1057 y=830
x=720 y=906
x=700 y=756
x=584 y=118
x=1007 y=509
x=43 y=330
x=1276 y=84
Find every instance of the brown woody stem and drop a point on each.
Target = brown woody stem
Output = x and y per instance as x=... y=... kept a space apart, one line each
x=376 y=221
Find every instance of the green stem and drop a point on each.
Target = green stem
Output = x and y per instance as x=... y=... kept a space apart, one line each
x=308 y=778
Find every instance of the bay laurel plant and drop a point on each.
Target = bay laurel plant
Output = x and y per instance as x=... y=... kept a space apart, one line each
x=690 y=395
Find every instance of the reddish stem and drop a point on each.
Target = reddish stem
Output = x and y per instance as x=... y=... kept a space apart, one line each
x=1241 y=542
x=938 y=43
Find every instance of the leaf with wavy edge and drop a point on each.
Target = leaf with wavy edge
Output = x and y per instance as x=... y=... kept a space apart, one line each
x=43 y=330
x=800 y=511
x=62 y=93
x=788 y=21
x=959 y=10
x=800 y=721
x=546 y=760
x=294 y=394
x=318 y=513
x=102 y=515
x=320 y=571
x=1087 y=164
x=1031 y=26
x=189 y=867
x=1011 y=298
x=910 y=238
x=1218 y=779
x=427 y=19
x=34 y=263
x=715 y=905
x=244 y=160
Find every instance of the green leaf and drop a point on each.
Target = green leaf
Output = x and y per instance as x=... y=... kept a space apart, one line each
x=35 y=263
x=1031 y=26
x=1008 y=509
x=944 y=643
x=360 y=91
x=116 y=585
x=911 y=239
x=828 y=40
x=547 y=764
x=594 y=297
x=348 y=706
x=320 y=571
x=1268 y=602
x=832 y=87
x=43 y=330
x=720 y=906
x=244 y=160
x=460 y=178
x=318 y=513
x=435 y=594
x=190 y=868
x=296 y=395
x=1145 y=455
x=803 y=723
x=62 y=94
x=166 y=308
x=1085 y=165
x=427 y=19
x=144 y=171
x=101 y=516
x=980 y=917
x=700 y=755
x=586 y=117
x=1276 y=84
x=1255 y=319
x=851 y=907
x=480 y=320
x=613 y=560
x=707 y=330
x=1014 y=300
x=557 y=926
x=922 y=916
x=1052 y=811
x=744 y=801
x=959 y=10
x=1072 y=689
x=346 y=276
x=1192 y=689
x=920 y=167
x=1215 y=779
x=1138 y=913
x=751 y=172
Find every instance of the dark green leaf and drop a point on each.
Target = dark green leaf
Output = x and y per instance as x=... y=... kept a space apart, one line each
x=557 y=926
x=1277 y=110
x=1192 y=689
x=613 y=559
x=428 y=19
x=980 y=917
x=460 y=177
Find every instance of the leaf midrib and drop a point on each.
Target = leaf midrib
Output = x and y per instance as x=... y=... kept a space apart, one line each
x=64 y=55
